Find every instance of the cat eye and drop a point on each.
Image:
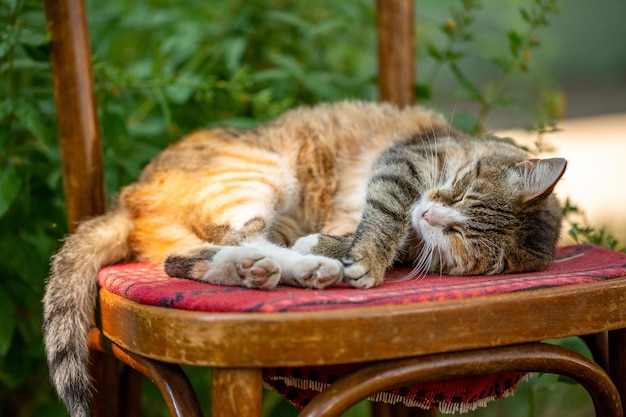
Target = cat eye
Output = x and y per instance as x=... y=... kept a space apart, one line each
x=471 y=197
x=458 y=198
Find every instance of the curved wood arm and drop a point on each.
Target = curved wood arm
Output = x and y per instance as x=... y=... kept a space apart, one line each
x=535 y=357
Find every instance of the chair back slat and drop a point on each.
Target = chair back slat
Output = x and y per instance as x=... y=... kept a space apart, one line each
x=79 y=134
x=396 y=63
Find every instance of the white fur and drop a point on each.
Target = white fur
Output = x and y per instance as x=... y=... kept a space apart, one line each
x=312 y=271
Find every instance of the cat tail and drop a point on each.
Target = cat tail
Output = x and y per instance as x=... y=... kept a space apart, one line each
x=69 y=301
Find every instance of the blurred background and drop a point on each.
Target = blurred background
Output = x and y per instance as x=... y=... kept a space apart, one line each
x=550 y=74
x=581 y=67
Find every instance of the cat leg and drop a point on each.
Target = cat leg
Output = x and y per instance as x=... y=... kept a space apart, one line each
x=255 y=264
x=301 y=269
x=224 y=265
x=391 y=192
x=322 y=244
x=365 y=259
x=374 y=247
x=227 y=261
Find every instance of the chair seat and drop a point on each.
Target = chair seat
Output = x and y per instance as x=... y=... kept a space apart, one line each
x=578 y=264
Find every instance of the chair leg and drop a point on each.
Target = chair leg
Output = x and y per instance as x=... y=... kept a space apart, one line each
x=173 y=384
x=617 y=361
x=599 y=347
x=131 y=392
x=400 y=410
x=236 y=392
x=105 y=372
x=171 y=381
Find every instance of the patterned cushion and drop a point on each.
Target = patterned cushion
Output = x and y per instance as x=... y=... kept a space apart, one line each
x=148 y=284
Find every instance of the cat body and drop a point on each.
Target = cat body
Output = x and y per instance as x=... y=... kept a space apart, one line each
x=336 y=192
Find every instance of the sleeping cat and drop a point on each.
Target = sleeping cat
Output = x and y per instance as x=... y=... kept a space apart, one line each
x=322 y=195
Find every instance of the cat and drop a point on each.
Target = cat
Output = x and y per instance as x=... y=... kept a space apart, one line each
x=325 y=194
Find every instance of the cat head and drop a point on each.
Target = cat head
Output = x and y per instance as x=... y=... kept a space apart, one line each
x=496 y=217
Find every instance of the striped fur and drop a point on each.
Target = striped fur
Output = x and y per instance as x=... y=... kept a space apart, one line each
x=323 y=194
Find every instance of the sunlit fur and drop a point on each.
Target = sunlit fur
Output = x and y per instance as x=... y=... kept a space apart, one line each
x=355 y=186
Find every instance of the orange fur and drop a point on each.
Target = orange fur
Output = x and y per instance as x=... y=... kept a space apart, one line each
x=202 y=184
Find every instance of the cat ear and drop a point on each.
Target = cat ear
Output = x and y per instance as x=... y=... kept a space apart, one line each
x=540 y=176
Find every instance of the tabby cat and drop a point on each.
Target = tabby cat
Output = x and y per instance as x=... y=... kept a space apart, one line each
x=336 y=192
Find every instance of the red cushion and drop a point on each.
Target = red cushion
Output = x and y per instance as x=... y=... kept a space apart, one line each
x=148 y=284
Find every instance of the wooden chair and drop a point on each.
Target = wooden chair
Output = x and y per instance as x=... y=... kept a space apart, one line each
x=152 y=340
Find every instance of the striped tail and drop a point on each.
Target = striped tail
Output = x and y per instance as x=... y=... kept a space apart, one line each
x=69 y=302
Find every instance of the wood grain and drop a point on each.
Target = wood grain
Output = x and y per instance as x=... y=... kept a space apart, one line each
x=396 y=66
x=236 y=392
x=362 y=334
x=535 y=357
x=79 y=134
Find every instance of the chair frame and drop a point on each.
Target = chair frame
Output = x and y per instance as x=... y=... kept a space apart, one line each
x=410 y=343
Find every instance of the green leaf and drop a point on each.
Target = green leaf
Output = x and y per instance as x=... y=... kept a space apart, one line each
x=287 y=63
x=452 y=56
x=321 y=85
x=289 y=19
x=39 y=53
x=434 y=52
x=473 y=91
x=7 y=322
x=10 y=184
x=525 y=15
x=6 y=107
x=515 y=42
x=30 y=117
x=36 y=45
x=234 y=49
x=423 y=91
x=466 y=122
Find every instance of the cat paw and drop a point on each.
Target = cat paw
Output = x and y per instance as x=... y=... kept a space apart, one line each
x=258 y=272
x=227 y=265
x=314 y=272
x=305 y=244
x=359 y=274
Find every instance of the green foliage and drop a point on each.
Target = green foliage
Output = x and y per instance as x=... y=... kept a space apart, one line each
x=458 y=31
x=164 y=68
x=31 y=206
x=581 y=232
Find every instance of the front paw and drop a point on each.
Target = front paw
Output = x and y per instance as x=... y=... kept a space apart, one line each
x=312 y=271
x=361 y=273
x=305 y=244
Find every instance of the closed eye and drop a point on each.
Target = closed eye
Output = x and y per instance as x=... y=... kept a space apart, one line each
x=459 y=198
x=472 y=198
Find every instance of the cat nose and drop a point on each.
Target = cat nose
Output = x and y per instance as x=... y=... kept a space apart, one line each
x=429 y=216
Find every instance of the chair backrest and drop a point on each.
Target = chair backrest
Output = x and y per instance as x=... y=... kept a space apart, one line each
x=396 y=51
x=79 y=131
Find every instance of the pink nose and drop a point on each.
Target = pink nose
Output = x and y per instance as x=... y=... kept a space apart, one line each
x=429 y=216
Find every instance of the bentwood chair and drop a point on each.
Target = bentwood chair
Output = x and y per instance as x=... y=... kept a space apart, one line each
x=475 y=331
